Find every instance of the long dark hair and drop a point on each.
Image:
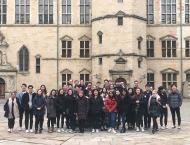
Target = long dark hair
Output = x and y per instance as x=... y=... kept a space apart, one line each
x=45 y=89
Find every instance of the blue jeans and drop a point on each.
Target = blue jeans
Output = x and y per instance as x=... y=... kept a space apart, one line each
x=111 y=119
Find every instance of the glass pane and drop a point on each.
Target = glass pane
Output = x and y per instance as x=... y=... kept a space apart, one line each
x=81 y=44
x=86 y=44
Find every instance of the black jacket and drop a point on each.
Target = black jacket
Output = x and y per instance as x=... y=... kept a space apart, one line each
x=123 y=104
x=25 y=101
x=61 y=103
x=163 y=99
x=6 y=108
x=96 y=105
x=82 y=107
x=71 y=104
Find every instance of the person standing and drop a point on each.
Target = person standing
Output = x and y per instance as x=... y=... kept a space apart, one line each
x=27 y=103
x=154 y=109
x=82 y=110
x=11 y=111
x=175 y=102
x=21 y=110
x=39 y=104
x=51 y=110
x=139 y=109
x=163 y=107
x=60 y=109
x=111 y=108
x=96 y=107
x=71 y=110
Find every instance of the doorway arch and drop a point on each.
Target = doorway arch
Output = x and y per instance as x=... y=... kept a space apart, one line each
x=119 y=80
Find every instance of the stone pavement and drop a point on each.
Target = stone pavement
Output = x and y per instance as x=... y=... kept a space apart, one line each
x=164 y=137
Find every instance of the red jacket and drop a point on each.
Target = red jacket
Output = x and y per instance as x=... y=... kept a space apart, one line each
x=111 y=105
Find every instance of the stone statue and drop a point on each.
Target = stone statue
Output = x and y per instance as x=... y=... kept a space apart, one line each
x=4 y=59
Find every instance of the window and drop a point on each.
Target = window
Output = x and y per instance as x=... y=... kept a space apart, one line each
x=188 y=77
x=169 y=48
x=84 y=11
x=150 y=48
x=3 y=11
x=168 y=79
x=168 y=11
x=187 y=48
x=186 y=11
x=45 y=11
x=85 y=77
x=66 y=11
x=139 y=60
x=100 y=60
x=100 y=37
x=120 y=20
x=23 y=59
x=84 y=49
x=66 y=48
x=65 y=79
x=22 y=11
x=150 y=11
x=150 y=79
x=38 y=62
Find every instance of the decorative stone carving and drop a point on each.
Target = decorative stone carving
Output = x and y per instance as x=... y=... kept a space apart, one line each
x=3 y=43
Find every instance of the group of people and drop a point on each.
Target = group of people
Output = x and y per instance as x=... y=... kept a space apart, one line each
x=112 y=107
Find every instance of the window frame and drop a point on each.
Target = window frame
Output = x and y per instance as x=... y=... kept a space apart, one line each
x=187 y=48
x=166 y=83
x=85 y=50
x=165 y=49
x=68 y=77
x=67 y=15
x=3 y=14
x=150 y=21
x=23 y=59
x=84 y=12
x=149 y=80
x=68 y=50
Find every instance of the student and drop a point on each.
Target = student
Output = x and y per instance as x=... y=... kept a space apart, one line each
x=71 y=110
x=11 y=111
x=154 y=109
x=111 y=108
x=147 y=117
x=27 y=103
x=163 y=107
x=82 y=110
x=44 y=91
x=51 y=110
x=21 y=110
x=118 y=99
x=175 y=102
x=139 y=109
x=131 y=111
x=123 y=107
x=60 y=109
x=39 y=111
x=96 y=108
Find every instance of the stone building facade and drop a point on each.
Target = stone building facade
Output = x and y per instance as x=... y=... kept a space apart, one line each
x=52 y=41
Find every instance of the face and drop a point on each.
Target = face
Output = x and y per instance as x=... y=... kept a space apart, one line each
x=174 y=88
x=80 y=94
x=136 y=84
x=43 y=87
x=124 y=93
x=81 y=82
x=61 y=92
x=117 y=93
x=53 y=93
x=13 y=95
x=111 y=94
x=89 y=93
x=138 y=91
x=70 y=92
x=30 y=89
x=154 y=92
x=39 y=92
x=23 y=87
x=130 y=91
x=96 y=93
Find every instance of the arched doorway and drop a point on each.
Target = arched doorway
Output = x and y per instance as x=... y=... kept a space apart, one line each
x=2 y=88
x=119 y=80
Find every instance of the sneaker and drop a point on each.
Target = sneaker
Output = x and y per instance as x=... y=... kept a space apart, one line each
x=109 y=130
x=27 y=131
x=9 y=130
x=20 y=129
x=93 y=130
x=137 y=130
x=142 y=129
x=162 y=127
x=58 y=130
x=97 y=131
x=113 y=131
x=179 y=127
x=173 y=127
x=71 y=131
x=31 y=130
x=62 y=130
x=166 y=127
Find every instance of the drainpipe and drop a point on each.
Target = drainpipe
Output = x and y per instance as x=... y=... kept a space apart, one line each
x=181 y=45
x=57 y=44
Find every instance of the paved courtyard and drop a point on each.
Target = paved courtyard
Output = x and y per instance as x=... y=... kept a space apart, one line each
x=164 y=137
